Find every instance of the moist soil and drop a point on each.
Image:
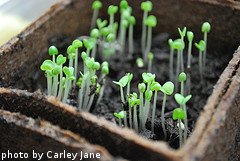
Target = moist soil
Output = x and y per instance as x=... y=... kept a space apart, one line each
x=120 y=64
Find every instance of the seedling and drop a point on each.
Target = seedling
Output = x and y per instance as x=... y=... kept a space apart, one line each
x=94 y=35
x=146 y=7
x=141 y=89
x=104 y=71
x=47 y=66
x=123 y=27
x=139 y=62
x=76 y=44
x=120 y=116
x=182 y=34
x=89 y=45
x=155 y=87
x=190 y=37
x=133 y=101
x=112 y=10
x=96 y=6
x=69 y=72
x=171 y=45
x=206 y=28
x=181 y=100
x=151 y=22
x=150 y=60
x=201 y=47
x=132 y=22
x=182 y=78
x=167 y=90
x=179 y=46
x=179 y=114
x=60 y=61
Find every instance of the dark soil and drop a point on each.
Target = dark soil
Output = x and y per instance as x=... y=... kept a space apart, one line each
x=121 y=64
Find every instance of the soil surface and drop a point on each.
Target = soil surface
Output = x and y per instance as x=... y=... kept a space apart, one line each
x=121 y=64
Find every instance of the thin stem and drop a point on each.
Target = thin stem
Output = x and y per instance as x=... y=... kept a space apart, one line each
x=153 y=110
x=162 y=116
x=120 y=122
x=122 y=96
x=54 y=58
x=189 y=55
x=75 y=67
x=130 y=117
x=200 y=65
x=180 y=133
x=90 y=102
x=94 y=18
x=125 y=119
x=144 y=30
x=188 y=84
x=171 y=64
x=80 y=95
x=101 y=92
x=177 y=69
x=135 y=120
x=205 y=51
x=149 y=43
x=122 y=39
x=55 y=85
x=182 y=88
x=141 y=110
x=185 y=123
x=49 y=84
x=182 y=61
x=130 y=40
x=149 y=65
x=128 y=90
x=60 y=85
x=147 y=107
x=94 y=50
x=66 y=92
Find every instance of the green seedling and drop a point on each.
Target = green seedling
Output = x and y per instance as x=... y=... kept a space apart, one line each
x=120 y=116
x=96 y=6
x=133 y=101
x=182 y=34
x=150 y=22
x=148 y=78
x=201 y=46
x=179 y=114
x=178 y=45
x=155 y=87
x=206 y=28
x=132 y=22
x=139 y=62
x=53 y=51
x=47 y=66
x=112 y=10
x=123 y=28
x=190 y=37
x=60 y=61
x=69 y=72
x=171 y=45
x=76 y=44
x=101 y=23
x=104 y=71
x=94 y=35
x=141 y=89
x=182 y=78
x=181 y=100
x=167 y=90
x=146 y=7
x=150 y=60
x=89 y=45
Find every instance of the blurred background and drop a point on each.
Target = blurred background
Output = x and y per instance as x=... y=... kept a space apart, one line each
x=16 y=15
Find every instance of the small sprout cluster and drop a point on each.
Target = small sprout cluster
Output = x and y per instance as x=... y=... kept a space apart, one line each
x=62 y=78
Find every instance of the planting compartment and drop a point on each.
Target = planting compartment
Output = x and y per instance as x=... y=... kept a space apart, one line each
x=216 y=133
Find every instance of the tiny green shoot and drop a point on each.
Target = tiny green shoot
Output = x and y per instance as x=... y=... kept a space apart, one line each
x=132 y=22
x=171 y=43
x=139 y=62
x=120 y=115
x=206 y=28
x=182 y=78
x=96 y=6
x=201 y=46
x=182 y=33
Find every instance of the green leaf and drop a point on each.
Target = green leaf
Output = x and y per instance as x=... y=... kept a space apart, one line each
x=111 y=37
x=141 y=87
x=201 y=45
x=206 y=27
x=178 y=44
x=140 y=62
x=61 y=59
x=84 y=56
x=132 y=20
x=155 y=86
x=168 y=88
x=56 y=70
x=148 y=77
x=52 y=50
x=178 y=114
x=68 y=71
x=112 y=9
x=190 y=36
x=186 y=99
x=123 y=4
x=146 y=6
x=96 y=5
x=148 y=95
x=101 y=23
x=120 y=115
x=150 y=56
x=77 y=44
x=95 y=33
x=182 y=77
x=89 y=43
x=105 y=70
x=182 y=33
x=105 y=31
x=70 y=50
x=47 y=65
x=151 y=21
x=179 y=98
x=170 y=43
